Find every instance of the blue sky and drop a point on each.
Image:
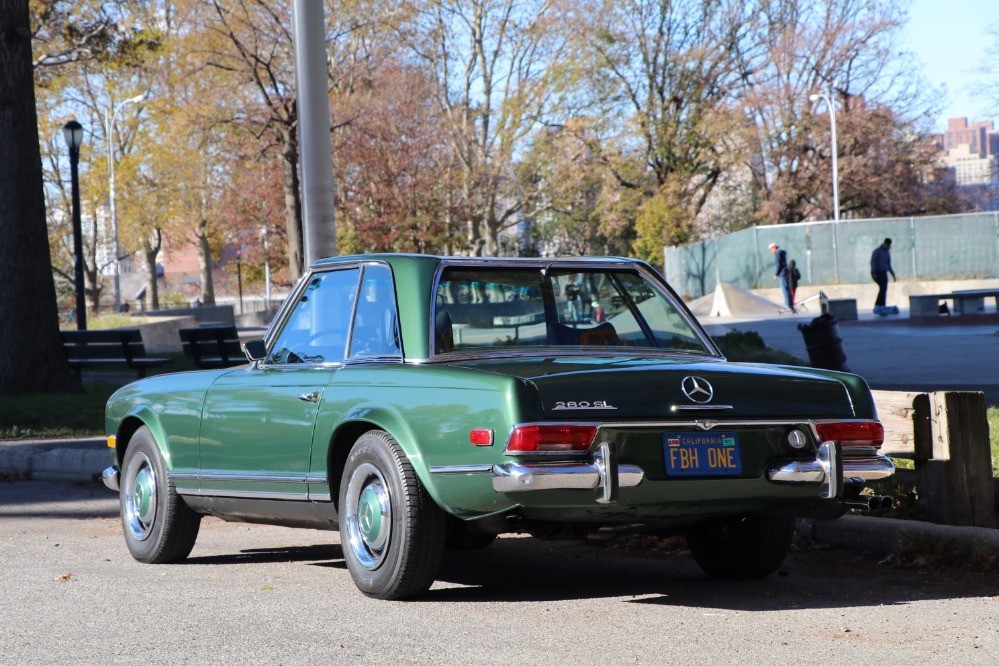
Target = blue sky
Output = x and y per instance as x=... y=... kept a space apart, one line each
x=949 y=37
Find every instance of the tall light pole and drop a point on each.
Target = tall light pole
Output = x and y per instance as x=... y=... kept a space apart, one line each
x=72 y=132
x=832 y=126
x=109 y=116
x=267 y=268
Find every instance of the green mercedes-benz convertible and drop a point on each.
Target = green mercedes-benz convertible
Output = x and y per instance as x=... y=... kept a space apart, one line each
x=417 y=402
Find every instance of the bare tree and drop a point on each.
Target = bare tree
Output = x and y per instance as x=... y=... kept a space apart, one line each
x=814 y=46
x=493 y=63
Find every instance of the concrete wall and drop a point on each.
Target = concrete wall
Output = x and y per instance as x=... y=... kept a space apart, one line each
x=162 y=336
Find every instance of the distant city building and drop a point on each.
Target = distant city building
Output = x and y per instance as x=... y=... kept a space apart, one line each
x=969 y=151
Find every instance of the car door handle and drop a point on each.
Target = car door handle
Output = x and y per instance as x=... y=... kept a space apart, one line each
x=309 y=397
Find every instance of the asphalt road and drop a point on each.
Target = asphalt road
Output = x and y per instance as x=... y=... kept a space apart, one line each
x=69 y=591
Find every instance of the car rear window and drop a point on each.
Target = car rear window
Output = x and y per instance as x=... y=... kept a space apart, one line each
x=496 y=308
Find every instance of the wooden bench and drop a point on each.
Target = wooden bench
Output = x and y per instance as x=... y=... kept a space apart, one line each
x=213 y=346
x=121 y=346
x=969 y=301
x=946 y=434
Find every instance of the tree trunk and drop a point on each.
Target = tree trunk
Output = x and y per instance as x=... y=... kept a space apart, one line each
x=292 y=202
x=31 y=357
x=149 y=251
x=92 y=285
x=205 y=265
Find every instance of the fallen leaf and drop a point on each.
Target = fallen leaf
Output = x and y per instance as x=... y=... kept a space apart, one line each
x=64 y=576
x=845 y=630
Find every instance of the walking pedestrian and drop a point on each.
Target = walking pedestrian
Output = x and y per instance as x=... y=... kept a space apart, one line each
x=782 y=274
x=793 y=276
x=880 y=268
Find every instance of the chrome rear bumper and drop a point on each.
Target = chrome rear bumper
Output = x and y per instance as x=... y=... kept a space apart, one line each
x=831 y=468
x=603 y=473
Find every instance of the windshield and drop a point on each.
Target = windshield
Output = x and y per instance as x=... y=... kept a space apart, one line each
x=493 y=309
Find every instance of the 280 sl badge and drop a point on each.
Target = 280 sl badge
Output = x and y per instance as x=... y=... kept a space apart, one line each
x=582 y=404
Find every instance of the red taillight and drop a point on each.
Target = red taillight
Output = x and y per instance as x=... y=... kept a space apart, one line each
x=538 y=438
x=851 y=433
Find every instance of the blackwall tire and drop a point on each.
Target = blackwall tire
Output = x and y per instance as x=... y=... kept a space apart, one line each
x=159 y=527
x=391 y=530
x=745 y=547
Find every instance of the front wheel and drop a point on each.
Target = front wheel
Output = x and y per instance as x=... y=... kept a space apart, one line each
x=745 y=547
x=159 y=527
x=391 y=530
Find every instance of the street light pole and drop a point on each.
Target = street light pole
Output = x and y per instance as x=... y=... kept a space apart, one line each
x=109 y=117
x=832 y=127
x=267 y=269
x=73 y=134
x=239 y=279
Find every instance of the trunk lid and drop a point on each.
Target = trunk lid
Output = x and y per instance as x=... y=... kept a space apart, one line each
x=629 y=388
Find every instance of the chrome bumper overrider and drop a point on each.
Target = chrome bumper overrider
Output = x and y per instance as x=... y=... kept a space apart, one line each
x=603 y=473
x=830 y=468
x=110 y=478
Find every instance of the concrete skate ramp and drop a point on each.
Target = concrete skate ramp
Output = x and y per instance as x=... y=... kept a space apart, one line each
x=701 y=307
x=729 y=301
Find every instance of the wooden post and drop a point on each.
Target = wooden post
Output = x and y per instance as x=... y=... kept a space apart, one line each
x=953 y=458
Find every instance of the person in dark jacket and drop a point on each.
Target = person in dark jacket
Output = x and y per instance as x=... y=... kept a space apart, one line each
x=880 y=268
x=793 y=276
x=782 y=274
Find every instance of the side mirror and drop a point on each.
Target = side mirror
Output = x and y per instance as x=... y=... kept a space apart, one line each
x=255 y=350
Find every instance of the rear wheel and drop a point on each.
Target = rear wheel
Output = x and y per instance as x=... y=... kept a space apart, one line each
x=752 y=546
x=391 y=530
x=159 y=527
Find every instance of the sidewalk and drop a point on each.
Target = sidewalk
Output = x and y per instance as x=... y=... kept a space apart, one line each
x=79 y=459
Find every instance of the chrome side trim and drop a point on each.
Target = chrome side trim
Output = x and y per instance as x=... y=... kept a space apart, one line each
x=110 y=478
x=516 y=477
x=315 y=478
x=246 y=494
x=253 y=478
x=452 y=470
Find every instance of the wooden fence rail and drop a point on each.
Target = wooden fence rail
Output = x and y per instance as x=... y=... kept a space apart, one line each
x=946 y=434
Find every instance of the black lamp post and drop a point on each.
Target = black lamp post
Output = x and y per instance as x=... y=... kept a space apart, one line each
x=239 y=278
x=73 y=133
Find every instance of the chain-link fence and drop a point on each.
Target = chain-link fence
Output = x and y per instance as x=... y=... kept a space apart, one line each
x=929 y=248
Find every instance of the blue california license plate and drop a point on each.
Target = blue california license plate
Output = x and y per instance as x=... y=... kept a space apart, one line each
x=702 y=453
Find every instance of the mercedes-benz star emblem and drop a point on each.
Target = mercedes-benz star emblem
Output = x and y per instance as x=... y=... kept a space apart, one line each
x=697 y=389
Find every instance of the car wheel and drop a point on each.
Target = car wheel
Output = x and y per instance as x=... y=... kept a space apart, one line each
x=159 y=527
x=744 y=547
x=391 y=530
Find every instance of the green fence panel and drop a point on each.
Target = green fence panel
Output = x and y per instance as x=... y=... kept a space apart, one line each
x=936 y=248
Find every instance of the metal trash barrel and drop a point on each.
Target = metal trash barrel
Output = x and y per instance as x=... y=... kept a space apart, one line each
x=825 y=347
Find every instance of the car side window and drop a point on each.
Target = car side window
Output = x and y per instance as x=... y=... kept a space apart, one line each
x=376 y=330
x=316 y=331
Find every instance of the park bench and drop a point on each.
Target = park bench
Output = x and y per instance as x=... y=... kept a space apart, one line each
x=969 y=301
x=946 y=434
x=121 y=346
x=213 y=346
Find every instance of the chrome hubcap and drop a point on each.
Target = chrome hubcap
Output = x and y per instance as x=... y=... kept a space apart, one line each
x=139 y=496
x=368 y=516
